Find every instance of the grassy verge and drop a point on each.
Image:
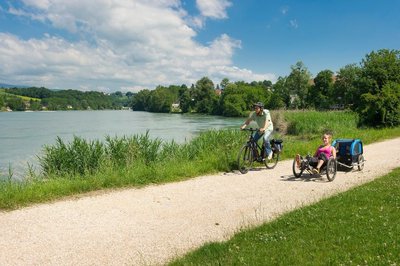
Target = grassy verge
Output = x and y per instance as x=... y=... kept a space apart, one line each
x=83 y=166
x=357 y=227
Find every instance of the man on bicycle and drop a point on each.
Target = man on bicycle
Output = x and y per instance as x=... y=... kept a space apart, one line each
x=263 y=119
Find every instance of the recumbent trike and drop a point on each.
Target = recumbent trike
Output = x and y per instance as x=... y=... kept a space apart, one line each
x=349 y=153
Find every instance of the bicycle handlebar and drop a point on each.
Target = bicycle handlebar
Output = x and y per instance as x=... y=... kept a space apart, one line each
x=251 y=129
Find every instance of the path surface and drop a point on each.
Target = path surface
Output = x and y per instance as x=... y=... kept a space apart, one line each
x=152 y=225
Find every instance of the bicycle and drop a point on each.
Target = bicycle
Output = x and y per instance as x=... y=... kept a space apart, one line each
x=303 y=164
x=252 y=151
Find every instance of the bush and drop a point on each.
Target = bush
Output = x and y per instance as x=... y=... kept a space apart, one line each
x=383 y=108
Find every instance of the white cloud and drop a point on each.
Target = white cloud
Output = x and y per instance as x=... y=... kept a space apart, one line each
x=284 y=10
x=294 y=24
x=213 y=8
x=122 y=44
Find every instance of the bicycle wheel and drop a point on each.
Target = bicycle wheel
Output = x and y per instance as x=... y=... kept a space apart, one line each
x=331 y=169
x=245 y=159
x=297 y=171
x=270 y=164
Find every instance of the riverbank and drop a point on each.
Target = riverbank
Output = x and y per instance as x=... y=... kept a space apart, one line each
x=154 y=224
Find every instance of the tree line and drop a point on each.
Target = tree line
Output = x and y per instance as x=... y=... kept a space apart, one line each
x=370 y=88
x=35 y=99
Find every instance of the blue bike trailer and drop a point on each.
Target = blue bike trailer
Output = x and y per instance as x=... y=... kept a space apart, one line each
x=349 y=152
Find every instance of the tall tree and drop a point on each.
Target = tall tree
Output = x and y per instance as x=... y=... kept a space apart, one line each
x=380 y=68
x=380 y=79
x=184 y=99
x=346 y=86
x=224 y=83
x=321 y=93
x=280 y=94
x=205 y=96
x=140 y=101
x=298 y=85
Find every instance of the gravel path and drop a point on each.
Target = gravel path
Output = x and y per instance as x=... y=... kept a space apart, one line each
x=152 y=225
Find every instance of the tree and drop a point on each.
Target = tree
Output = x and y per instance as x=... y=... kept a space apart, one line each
x=280 y=95
x=185 y=99
x=1 y=101
x=15 y=103
x=321 y=93
x=160 y=100
x=234 y=105
x=298 y=84
x=140 y=100
x=118 y=94
x=380 y=68
x=224 y=83
x=346 y=87
x=205 y=96
x=379 y=83
x=34 y=105
x=383 y=108
x=129 y=94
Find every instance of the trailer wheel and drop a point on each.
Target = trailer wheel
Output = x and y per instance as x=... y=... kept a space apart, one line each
x=360 y=162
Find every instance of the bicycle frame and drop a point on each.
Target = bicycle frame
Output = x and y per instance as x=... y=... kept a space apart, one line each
x=251 y=151
x=257 y=149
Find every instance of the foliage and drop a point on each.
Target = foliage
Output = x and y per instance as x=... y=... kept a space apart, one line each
x=280 y=97
x=16 y=103
x=185 y=99
x=1 y=100
x=380 y=81
x=76 y=158
x=159 y=100
x=298 y=84
x=382 y=108
x=140 y=100
x=238 y=97
x=346 y=87
x=205 y=97
x=321 y=94
x=20 y=99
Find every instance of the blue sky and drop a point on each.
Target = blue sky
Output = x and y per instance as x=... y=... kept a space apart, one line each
x=129 y=45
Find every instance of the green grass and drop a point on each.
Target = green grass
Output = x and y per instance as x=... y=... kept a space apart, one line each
x=82 y=166
x=357 y=227
x=24 y=98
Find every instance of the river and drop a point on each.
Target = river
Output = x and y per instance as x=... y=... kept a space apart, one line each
x=23 y=134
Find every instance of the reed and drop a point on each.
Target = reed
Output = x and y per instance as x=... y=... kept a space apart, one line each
x=78 y=157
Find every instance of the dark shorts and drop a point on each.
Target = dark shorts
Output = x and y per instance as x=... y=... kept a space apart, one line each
x=314 y=160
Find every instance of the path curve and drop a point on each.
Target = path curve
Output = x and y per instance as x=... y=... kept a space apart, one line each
x=152 y=225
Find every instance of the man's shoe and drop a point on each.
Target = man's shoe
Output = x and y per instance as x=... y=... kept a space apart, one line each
x=270 y=155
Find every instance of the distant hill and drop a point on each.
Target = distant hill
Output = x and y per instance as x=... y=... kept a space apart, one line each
x=3 y=85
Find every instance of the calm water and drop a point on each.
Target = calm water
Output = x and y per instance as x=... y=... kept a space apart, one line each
x=23 y=134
